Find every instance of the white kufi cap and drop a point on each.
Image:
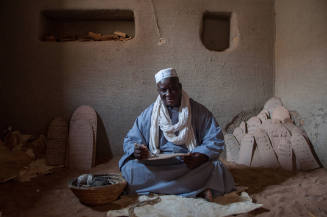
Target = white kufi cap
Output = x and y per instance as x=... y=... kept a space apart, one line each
x=165 y=73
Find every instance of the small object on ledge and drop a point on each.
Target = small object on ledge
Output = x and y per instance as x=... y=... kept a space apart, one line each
x=121 y=34
x=108 y=37
x=49 y=38
x=90 y=36
x=67 y=38
x=95 y=36
x=84 y=38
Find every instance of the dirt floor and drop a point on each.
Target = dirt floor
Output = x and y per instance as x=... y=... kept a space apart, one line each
x=282 y=193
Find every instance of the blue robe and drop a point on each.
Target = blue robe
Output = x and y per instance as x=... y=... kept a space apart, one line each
x=172 y=176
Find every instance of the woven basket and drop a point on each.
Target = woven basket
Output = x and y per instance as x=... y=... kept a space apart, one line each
x=99 y=195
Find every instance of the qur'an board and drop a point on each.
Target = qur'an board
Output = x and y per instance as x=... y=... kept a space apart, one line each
x=82 y=138
x=232 y=147
x=303 y=154
x=280 y=139
x=246 y=150
x=252 y=124
x=56 y=141
x=266 y=152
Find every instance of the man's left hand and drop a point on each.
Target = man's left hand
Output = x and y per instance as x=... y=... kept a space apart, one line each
x=195 y=159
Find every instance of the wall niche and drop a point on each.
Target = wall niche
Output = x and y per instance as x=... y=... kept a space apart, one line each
x=215 y=32
x=87 y=25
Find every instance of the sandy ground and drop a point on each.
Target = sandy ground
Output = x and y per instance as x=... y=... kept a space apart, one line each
x=282 y=193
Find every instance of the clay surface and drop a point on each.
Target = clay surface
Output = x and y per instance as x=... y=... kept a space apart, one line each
x=281 y=113
x=246 y=150
x=253 y=124
x=294 y=129
x=263 y=115
x=303 y=155
x=256 y=159
x=232 y=147
x=238 y=133
x=81 y=145
x=284 y=152
x=56 y=141
x=87 y=113
x=272 y=103
x=265 y=151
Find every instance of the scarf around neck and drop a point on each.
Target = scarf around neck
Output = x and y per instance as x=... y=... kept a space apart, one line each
x=160 y=118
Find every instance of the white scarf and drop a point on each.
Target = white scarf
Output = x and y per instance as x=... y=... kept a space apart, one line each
x=160 y=118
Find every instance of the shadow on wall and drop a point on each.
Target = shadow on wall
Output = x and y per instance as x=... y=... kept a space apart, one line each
x=103 y=147
x=74 y=27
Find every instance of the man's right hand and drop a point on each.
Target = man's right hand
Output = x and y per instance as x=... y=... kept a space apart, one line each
x=141 y=151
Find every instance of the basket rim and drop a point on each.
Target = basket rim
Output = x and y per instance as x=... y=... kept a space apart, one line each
x=70 y=183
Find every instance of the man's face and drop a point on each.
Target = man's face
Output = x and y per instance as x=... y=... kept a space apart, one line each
x=170 y=91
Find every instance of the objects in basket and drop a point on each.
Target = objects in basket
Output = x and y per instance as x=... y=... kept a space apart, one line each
x=98 y=189
x=89 y=180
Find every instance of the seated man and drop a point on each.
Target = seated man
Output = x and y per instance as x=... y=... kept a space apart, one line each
x=174 y=123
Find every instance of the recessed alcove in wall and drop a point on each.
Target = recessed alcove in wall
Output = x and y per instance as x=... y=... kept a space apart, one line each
x=216 y=30
x=87 y=25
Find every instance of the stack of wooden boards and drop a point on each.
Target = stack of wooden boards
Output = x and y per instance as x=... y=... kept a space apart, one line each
x=77 y=148
x=271 y=140
x=56 y=141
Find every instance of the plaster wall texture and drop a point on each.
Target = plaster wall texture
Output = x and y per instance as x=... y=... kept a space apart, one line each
x=40 y=80
x=301 y=66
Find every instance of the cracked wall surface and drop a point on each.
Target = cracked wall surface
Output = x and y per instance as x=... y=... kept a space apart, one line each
x=40 y=80
x=301 y=66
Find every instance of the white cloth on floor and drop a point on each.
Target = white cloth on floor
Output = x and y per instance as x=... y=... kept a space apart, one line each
x=176 y=206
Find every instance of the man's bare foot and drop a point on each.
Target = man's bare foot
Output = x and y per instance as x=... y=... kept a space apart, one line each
x=208 y=195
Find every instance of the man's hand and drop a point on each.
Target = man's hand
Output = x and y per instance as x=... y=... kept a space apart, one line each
x=195 y=159
x=141 y=151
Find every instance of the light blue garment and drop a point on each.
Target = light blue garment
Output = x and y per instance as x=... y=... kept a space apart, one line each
x=172 y=176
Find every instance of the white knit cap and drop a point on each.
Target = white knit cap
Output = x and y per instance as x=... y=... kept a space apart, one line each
x=165 y=73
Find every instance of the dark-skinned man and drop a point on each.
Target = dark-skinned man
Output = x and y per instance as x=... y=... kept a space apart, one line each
x=174 y=123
